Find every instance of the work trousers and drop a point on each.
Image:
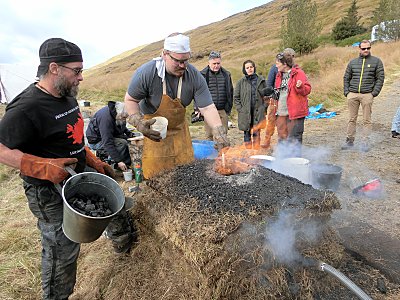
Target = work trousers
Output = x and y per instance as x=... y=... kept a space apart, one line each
x=290 y=135
x=271 y=120
x=396 y=121
x=59 y=254
x=224 y=119
x=296 y=130
x=354 y=100
x=252 y=138
x=290 y=129
x=121 y=145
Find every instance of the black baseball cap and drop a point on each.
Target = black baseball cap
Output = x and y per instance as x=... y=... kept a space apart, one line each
x=57 y=50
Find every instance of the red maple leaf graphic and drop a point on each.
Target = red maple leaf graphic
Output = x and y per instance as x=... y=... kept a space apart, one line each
x=76 y=130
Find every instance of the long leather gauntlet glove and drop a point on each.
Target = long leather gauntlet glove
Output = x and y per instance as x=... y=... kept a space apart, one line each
x=144 y=126
x=51 y=169
x=97 y=164
x=220 y=137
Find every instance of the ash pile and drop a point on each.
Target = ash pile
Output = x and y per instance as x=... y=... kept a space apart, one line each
x=244 y=236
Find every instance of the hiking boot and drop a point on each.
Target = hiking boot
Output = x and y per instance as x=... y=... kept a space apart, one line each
x=349 y=144
x=395 y=134
x=364 y=147
x=123 y=244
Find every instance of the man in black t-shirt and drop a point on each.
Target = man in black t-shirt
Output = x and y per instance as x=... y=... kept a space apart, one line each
x=40 y=134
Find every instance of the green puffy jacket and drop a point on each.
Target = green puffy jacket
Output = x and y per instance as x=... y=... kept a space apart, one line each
x=364 y=75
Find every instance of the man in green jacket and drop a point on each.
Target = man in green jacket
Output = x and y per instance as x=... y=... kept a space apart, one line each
x=363 y=81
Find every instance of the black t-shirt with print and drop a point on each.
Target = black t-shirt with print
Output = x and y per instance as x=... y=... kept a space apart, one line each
x=45 y=126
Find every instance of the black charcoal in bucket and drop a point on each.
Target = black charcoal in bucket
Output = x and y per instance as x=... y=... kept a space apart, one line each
x=78 y=227
x=326 y=176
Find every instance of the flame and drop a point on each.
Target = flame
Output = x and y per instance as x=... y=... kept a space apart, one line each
x=234 y=160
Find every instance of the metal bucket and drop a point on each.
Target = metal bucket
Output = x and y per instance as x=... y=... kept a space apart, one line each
x=78 y=227
x=325 y=176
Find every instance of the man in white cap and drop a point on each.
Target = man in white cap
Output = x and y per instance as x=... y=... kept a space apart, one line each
x=164 y=87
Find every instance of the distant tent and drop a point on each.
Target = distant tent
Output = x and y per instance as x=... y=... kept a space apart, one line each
x=14 y=78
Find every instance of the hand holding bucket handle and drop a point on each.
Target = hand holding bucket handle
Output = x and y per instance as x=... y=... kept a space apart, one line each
x=71 y=172
x=51 y=169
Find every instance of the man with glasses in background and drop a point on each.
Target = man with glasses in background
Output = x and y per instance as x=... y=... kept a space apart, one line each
x=363 y=81
x=164 y=87
x=40 y=134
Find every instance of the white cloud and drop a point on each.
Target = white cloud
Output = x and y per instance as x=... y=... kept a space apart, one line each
x=103 y=28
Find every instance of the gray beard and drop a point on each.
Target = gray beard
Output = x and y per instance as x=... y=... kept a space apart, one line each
x=64 y=90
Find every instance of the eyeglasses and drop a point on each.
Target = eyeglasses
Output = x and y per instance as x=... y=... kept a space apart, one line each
x=77 y=71
x=178 y=61
x=363 y=49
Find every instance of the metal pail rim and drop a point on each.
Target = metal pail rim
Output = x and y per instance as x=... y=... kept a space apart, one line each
x=107 y=178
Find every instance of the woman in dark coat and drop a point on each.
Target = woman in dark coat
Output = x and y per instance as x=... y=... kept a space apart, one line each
x=250 y=105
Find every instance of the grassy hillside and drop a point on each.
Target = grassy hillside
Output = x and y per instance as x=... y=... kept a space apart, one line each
x=253 y=34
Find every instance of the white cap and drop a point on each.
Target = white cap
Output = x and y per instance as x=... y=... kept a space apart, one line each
x=177 y=43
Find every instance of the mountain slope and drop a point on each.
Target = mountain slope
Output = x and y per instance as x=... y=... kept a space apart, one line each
x=250 y=34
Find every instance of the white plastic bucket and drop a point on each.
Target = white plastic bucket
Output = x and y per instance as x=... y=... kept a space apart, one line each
x=128 y=176
x=160 y=125
x=296 y=167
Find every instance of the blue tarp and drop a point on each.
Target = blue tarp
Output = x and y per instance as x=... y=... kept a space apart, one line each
x=313 y=113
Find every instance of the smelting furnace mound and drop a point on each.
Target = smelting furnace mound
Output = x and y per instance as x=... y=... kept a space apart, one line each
x=245 y=236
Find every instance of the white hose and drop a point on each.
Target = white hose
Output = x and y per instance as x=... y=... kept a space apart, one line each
x=346 y=281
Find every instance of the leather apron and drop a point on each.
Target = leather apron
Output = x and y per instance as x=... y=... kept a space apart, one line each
x=176 y=149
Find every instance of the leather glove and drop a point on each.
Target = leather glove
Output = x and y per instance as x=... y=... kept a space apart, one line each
x=220 y=137
x=98 y=165
x=144 y=126
x=51 y=169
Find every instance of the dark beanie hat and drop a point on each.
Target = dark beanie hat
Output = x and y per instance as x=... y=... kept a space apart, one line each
x=57 y=50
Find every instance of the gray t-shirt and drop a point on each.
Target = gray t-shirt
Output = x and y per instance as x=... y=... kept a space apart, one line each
x=283 y=93
x=146 y=86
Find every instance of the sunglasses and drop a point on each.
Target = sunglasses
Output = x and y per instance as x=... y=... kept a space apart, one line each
x=363 y=49
x=77 y=71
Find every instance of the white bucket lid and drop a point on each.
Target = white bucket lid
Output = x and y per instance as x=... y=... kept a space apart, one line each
x=296 y=161
x=266 y=157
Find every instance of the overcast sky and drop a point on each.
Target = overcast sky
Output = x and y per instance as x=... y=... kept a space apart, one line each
x=102 y=28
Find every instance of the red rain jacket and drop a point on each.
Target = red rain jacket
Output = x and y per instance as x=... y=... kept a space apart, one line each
x=297 y=101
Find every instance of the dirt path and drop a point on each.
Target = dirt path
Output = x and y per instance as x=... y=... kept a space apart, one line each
x=380 y=162
x=369 y=227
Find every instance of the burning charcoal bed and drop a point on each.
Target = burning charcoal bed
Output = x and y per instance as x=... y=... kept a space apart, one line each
x=249 y=235
x=258 y=190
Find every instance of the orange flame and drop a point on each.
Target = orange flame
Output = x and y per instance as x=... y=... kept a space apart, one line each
x=234 y=160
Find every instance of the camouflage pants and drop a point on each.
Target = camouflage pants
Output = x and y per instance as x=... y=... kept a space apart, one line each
x=59 y=254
